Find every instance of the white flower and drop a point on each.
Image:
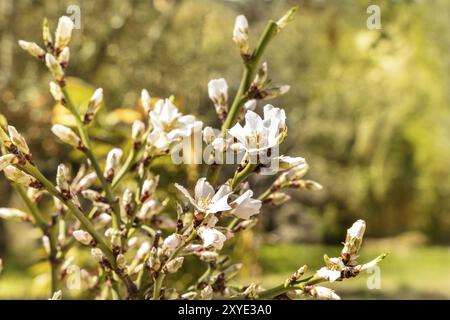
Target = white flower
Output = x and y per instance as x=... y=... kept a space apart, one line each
x=55 y=91
x=211 y=237
x=166 y=118
x=63 y=32
x=18 y=140
x=260 y=134
x=240 y=34
x=66 y=135
x=209 y=134
x=245 y=206
x=205 y=199
x=173 y=241
x=330 y=275
x=146 y=100
x=54 y=67
x=324 y=293
x=83 y=237
x=218 y=91
x=7 y=160
x=13 y=214
x=32 y=48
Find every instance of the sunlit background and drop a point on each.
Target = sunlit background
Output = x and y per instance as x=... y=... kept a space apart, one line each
x=368 y=109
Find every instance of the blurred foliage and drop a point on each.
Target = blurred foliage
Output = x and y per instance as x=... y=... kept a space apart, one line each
x=369 y=109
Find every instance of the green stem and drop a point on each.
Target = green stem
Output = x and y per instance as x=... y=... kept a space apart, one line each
x=242 y=175
x=48 y=230
x=161 y=276
x=90 y=155
x=240 y=98
x=87 y=225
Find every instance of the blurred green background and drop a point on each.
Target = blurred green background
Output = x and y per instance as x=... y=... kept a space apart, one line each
x=368 y=109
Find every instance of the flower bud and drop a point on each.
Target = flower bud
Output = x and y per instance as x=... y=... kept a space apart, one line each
x=208 y=256
x=137 y=130
x=284 y=20
x=191 y=295
x=208 y=134
x=240 y=35
x=64 y=57
x=16 y=175
x=321 y=293
x=206 y=293
x=218 y=91
x=18 y=140
x=274 y=92
x=66 y=135
x=63 y=32
x=87 y=181
x=148 y=188
x=6 y=141
x=278 y=198
x=92 y=195
x=54 y=67
x=112 y=163
x=46 y=34
x=154 y=262
x=83 y=237
x=261 y=77
x=63 y=178
x=173 y=265
x=250 y=291
x=94 y=105
x=55 y=91
x=121 y=261
x=32 y=48
x=1 y=266
x=13 y=214
x=97 y=254
x=146 y=100
x=354 y=238
x=7 y=160
x=173 y=241
x=286 y=163
x=143 y=250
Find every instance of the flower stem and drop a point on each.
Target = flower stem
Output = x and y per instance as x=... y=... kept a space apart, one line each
x=250 y=67
x=48 y=230
x=90 y=155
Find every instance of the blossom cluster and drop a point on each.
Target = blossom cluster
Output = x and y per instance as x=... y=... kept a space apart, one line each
x=135 y=236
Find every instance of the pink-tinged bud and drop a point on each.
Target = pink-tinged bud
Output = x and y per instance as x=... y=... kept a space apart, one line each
x=18 y=140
